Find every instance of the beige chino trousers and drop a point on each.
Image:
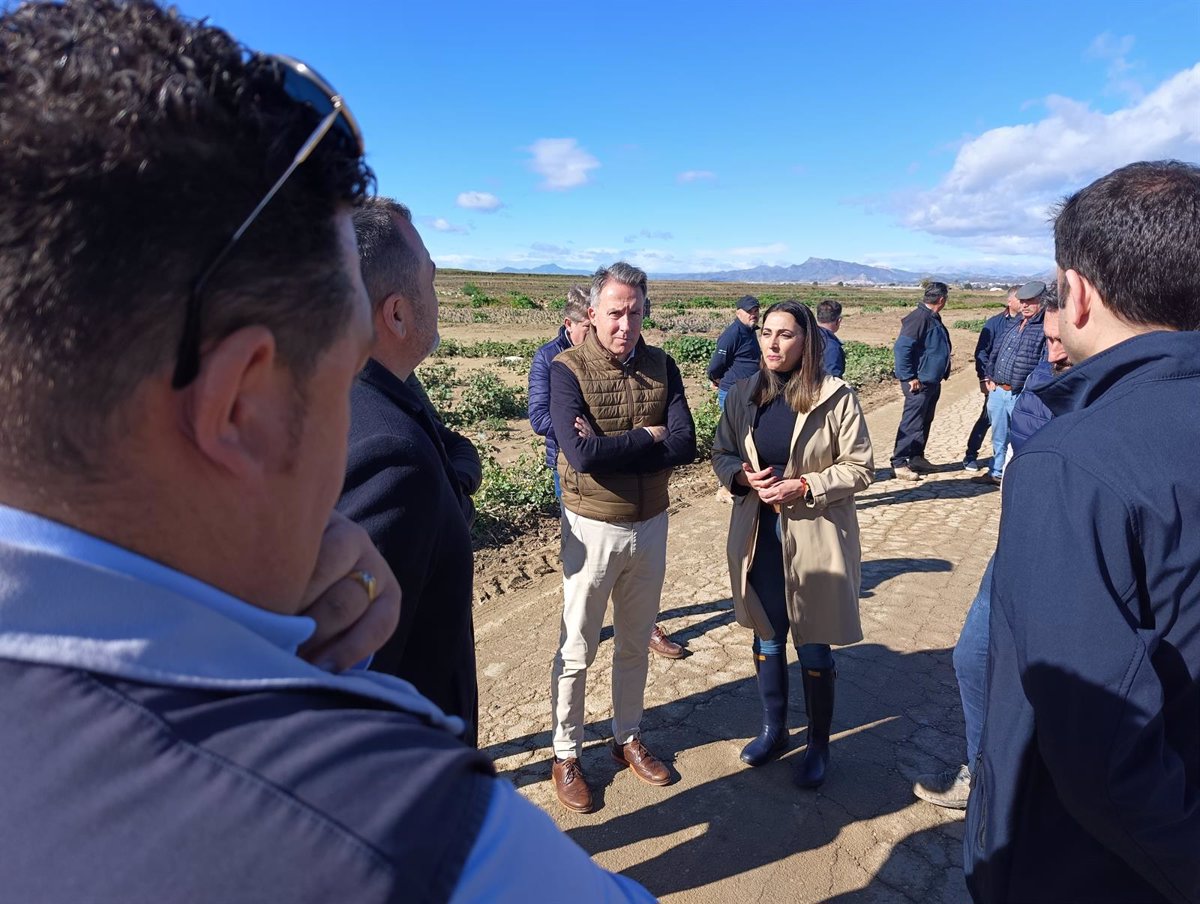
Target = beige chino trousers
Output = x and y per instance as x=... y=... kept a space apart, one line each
x=626 y=562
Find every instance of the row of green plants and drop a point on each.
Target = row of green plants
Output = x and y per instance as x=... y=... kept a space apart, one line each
x=480 y=299
x=488 y=348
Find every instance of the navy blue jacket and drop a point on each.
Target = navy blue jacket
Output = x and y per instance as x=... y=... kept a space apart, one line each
x=834 y=356
x=122 y=792
x=922 y=350
x=736 y=357
x=1017 y=352
x=539 y=392
x=993 y=328
x=1087 y=787
x=1030 y=413
x=402 y=488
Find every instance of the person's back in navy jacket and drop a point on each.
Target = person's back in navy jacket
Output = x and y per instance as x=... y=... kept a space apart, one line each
x=829 y=319
x=922 y=361
x=1087 y=787
x=574 y=328
x=994 y=327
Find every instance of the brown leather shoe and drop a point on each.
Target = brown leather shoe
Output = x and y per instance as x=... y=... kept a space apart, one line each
x=570 y=785
x=644 y=764
x=663 y=645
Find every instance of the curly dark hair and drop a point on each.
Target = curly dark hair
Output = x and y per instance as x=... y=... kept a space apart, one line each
x=134 y=141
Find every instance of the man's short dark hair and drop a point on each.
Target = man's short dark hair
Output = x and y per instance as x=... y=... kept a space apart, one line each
x=388 y=263
x=935 y=292
x=1050 y=302
x=829 y=311
x=134 y=143
x=1135 y=235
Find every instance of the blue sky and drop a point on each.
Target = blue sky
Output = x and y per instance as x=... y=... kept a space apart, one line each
x=702 y=136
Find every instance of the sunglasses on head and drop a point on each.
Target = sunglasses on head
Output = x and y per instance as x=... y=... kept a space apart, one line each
x=305 y=86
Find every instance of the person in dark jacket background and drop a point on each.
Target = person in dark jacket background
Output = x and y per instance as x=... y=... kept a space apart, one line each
x=574 y=328
x=1013 y=358
x=829 y=319
x=1087 y=786
x=572 y=332
x=1030 y=413
x=995 y=327
x=922 y=362
x=737 y=353
x=401 y=484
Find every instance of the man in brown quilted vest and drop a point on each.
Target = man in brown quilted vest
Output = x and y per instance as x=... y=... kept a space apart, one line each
x=622 y=424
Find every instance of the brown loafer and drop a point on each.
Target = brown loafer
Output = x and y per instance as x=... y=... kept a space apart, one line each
x=663 y=645
x=644 y=764
x=570 y=785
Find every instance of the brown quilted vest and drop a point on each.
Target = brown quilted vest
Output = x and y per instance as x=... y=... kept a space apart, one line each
x=619 y=398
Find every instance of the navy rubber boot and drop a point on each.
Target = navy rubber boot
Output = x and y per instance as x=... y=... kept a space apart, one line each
x=773 y=690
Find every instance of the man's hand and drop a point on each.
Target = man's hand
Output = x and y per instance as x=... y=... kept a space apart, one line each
x=657 y=432
x=350 y=625
x=914 y=385
x=990 y=384
x=714 y=384
x=584 y=428
x=983 y=386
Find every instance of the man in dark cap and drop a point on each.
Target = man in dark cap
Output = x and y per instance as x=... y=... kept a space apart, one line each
x=922 y=362
x=737 y=353
x=1013 y=359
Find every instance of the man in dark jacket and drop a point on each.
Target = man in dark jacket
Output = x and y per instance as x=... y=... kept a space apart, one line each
x=622 y=423
x=737 y=353
x=829 y=319
x=1088 y=783
x=401 y=483
x=922 y=362
x=995 y=327
x=1013 y=358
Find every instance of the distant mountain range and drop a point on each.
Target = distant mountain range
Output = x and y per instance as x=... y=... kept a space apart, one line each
x=820 y=270
x=552 y=269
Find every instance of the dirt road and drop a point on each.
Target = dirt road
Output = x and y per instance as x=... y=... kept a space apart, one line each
x=724 y=832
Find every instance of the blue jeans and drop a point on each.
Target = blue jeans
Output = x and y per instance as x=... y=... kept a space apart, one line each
x=1000 y=406
x=557 y=487
x=766 y=577
x=970 y=663
x=721 y=393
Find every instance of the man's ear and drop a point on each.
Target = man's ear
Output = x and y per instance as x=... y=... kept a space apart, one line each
x=239 y=402
x=1081 y=297
x=394 y=315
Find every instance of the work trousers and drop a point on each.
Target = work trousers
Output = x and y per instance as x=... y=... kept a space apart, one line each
x=624 y=561
x=915 y=421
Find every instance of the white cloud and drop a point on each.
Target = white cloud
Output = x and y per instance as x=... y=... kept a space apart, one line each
x=1122 y=74
x=696 y=175
x=648 y=234
x=483 y=201
x=561 y=163
x=441 y=224
x=997 y=195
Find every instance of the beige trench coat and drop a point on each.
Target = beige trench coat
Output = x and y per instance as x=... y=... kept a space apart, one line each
x=822 y=558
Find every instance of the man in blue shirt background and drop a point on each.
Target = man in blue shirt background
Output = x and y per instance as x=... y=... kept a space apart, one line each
x=737 y=353
x=829 y=319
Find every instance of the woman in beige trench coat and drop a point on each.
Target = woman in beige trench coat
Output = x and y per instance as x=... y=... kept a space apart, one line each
x=793 y=449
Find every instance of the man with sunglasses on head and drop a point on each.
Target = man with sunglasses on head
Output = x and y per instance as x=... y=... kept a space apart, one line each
x=181 y=319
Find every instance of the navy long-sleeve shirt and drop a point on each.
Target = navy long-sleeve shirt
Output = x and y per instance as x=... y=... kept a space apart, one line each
x=633 y=450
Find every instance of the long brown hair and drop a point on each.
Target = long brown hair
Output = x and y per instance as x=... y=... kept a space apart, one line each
x=805 y=384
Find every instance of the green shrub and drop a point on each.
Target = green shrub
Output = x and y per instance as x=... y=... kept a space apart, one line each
x=480 y=317
x=974 y=326
x=448 y=348
x=556 y=304
x=522 y=301
x=486 y=396
x=706 y=415
x=513 y=497
x=439 y=381
x=690 y=349
x=867 y=363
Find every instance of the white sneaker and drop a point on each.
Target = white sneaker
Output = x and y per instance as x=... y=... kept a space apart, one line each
x=948 y=789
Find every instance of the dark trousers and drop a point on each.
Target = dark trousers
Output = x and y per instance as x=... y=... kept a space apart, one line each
x=975 y=440
x=915 y=422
